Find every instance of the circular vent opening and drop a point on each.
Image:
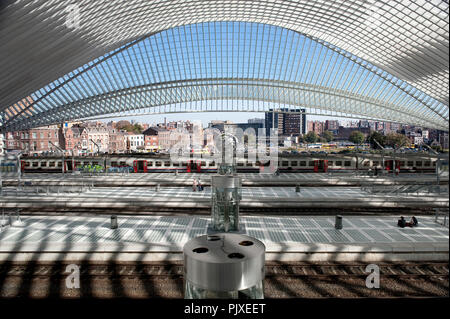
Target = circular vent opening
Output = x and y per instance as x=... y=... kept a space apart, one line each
x=246 y=243
x=213 y=238
x=236 y=256
x=200 y=250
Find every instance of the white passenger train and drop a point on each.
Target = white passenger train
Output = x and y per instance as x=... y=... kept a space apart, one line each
x=286 y=163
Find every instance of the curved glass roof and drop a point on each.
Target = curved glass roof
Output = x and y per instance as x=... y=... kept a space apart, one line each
x=335 y=58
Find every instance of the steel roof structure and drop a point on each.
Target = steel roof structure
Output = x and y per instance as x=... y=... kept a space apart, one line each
x=382 y=60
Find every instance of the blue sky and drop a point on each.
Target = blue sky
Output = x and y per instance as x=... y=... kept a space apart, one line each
x=230 y=50
x=236 y=117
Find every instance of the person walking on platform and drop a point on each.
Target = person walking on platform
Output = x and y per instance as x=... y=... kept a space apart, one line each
x=200 y=186
x=194 y=185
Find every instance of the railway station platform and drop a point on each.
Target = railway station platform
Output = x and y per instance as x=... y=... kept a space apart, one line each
x=161 y=238
x=351 y=178
x=119 y=199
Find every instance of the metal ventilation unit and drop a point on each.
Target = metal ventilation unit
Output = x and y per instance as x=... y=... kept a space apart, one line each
x=224 y=265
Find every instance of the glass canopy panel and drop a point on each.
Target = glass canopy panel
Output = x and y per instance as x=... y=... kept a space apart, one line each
x=393 y=53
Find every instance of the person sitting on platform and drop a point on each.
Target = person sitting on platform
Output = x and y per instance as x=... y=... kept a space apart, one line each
x=401 y=222
x=413 y=222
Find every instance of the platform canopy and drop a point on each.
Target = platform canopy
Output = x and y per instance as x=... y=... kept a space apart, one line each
x=67 y=60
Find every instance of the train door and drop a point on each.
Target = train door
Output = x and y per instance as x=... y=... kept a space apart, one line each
x=320 y=166
x=389 y=164
x=22 y=166
x=140 y=166
x=145 y=167
x=68 y=167
x=316 y=166
x=188 y=167
x=199 y=167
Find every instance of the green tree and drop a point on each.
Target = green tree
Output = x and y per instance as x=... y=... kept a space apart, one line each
x=311 y=137
x=397 y=140
x=328 y=136
x=356 y=137
x=380 y=138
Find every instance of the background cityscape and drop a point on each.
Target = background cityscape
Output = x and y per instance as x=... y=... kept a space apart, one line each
x=128 y=136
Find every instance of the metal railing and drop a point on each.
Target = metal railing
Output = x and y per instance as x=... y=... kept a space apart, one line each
x=415 y=189
x=441 y=216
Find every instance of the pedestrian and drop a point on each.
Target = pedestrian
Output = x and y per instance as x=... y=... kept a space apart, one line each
x=194 y=185
x=199 y=186
x=401 y=222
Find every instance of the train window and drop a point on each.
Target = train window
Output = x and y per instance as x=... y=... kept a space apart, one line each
x=175 y=164
x=258 y=163
x=51 y=164
x=123 y=163
x=310 y=163
x=366 y=163
x=43 y=164
x=184 y=164
x=434 y=163
x=375 y=163
x=77 y=164
x=285 y=163
x=402 y=163
x=35 y=164
x=59 y=164
x=212 y=164
x=240 y=164
x=149 y=163
x=166 y=163
x=27 y=164
x=347 y=163
x=427 y=163
x=418 y=163
x=203 y=163
x=94 y=163
x=249 y=164
x=85 y=163
x=338 y=163
x=293 y=163
x=114 y=164
x=330 y=163
x=302 y=163
x=157 y=163
x=410 y=163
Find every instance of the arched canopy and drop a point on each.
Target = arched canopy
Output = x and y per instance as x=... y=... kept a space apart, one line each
x=385 y=61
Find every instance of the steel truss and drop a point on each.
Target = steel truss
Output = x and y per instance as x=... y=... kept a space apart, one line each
x=316 y=63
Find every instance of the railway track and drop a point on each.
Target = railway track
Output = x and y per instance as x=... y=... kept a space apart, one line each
x=272 y=269
x=282 y=280
x=250 y=211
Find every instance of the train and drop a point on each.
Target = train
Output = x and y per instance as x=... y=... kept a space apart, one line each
x=286 y=163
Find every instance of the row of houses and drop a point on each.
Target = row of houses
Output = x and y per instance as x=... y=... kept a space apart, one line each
x=79 y=140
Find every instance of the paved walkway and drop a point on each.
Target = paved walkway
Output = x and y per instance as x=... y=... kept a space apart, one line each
x=35 y=235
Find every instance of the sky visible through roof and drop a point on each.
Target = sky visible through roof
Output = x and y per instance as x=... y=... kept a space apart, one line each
x=226 y=50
